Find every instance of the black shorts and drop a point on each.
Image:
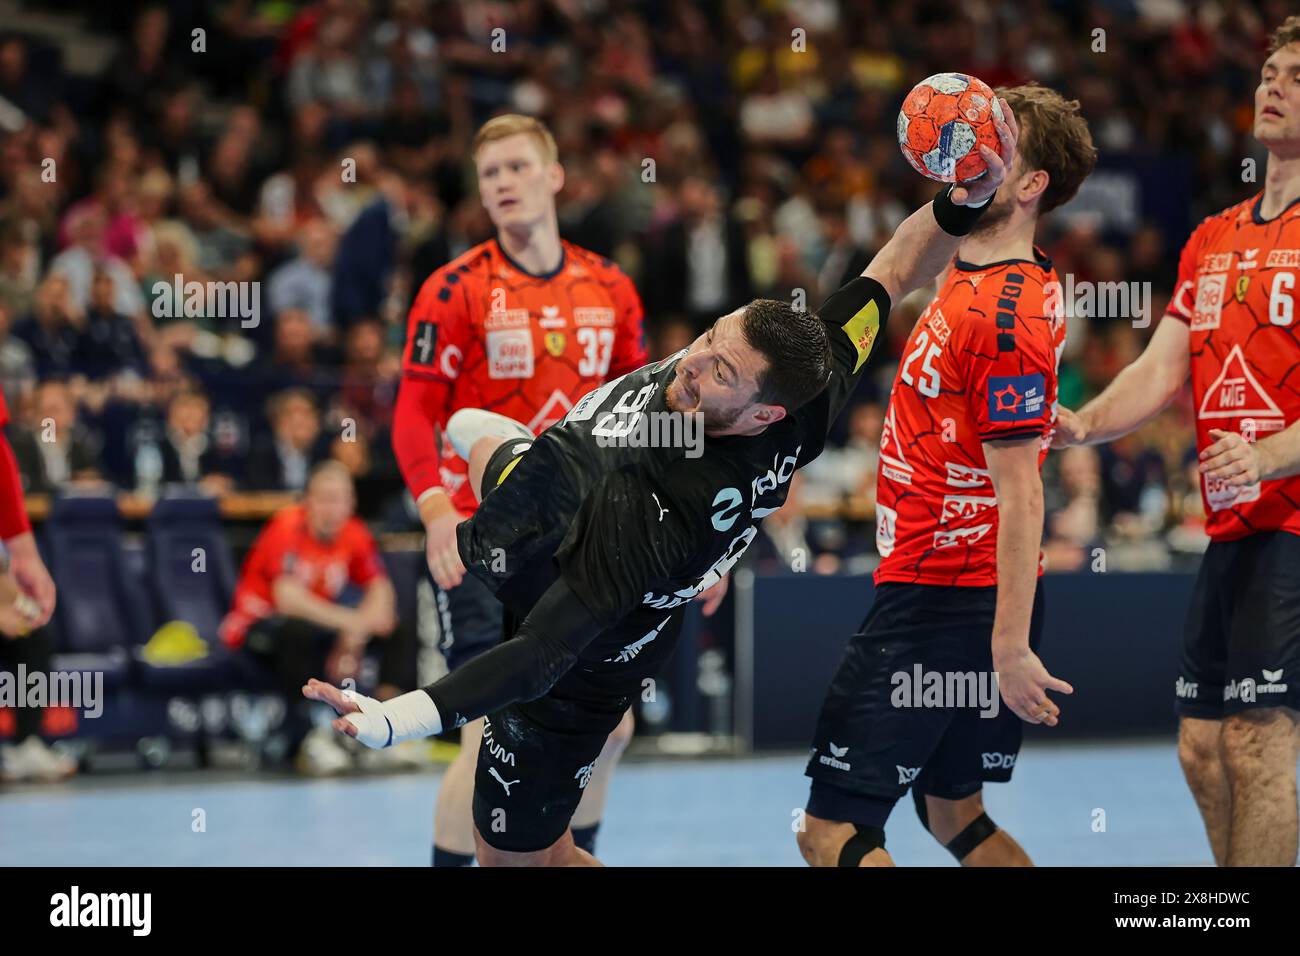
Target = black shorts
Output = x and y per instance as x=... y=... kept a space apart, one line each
x=501 y=462
x=1241 y=642
x=887 y=724
x=535 y=760
x=470 y=617
x=470 y=620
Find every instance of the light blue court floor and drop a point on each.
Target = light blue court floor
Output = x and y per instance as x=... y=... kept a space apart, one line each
x=715 y=812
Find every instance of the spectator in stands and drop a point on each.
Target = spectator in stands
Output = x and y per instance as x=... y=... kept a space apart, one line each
x=304 y=282
x=1073 y=510
x=20 y=266
x=88 y=255
x=17 y=366
x=52 y=330
x=700 y=266
x=107 y=344
x=283 y=461
x=311 y=596
x=55 y=449
x=189 y=455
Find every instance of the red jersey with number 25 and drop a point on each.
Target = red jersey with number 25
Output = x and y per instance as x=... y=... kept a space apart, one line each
x=522 y=345
x=1236 y=291
x=979 y=366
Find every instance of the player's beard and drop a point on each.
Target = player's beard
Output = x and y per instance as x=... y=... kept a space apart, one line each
x=714 y=421
x=995 y=216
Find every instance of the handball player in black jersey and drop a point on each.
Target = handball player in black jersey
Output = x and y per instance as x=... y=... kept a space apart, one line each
x=594 y=543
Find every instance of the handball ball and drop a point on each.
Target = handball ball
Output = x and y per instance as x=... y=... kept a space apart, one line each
x=942 y=123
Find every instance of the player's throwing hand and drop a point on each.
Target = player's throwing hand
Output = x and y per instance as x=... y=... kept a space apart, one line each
x=1232 y=459
x=984 y=187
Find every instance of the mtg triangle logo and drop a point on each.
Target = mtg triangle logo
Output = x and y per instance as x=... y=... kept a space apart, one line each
x=1236 y=393
x=894 y=456
x=552 y=410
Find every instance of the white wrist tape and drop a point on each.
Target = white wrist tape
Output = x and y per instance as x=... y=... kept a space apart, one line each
x=382 y=723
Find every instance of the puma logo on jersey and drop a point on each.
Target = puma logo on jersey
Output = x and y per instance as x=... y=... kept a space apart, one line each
x=632 y=650
x=662 y=510
x=1248 y=259
x=507 y=784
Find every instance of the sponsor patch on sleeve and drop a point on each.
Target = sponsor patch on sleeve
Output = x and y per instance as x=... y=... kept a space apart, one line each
x=862 y=329
x=1016 y=398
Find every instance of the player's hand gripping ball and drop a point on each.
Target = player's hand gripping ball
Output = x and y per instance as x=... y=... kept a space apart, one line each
x=942 y=123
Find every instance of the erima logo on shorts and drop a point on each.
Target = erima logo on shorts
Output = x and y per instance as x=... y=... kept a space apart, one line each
x=1271 y=683
x=1185 y=689
x=833 y=760
x=996 y=761
x=906 y=774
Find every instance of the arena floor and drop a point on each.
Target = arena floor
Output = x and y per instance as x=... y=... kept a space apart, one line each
x=661 y=813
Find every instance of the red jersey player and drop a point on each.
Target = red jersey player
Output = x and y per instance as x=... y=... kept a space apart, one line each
x=524 y=324
x=959 y=518
x=27 y=598
x=1232 y=324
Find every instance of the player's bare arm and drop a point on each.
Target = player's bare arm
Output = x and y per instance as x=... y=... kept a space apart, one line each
x=1137 y=395
x=1022 y=678
x=921 y=247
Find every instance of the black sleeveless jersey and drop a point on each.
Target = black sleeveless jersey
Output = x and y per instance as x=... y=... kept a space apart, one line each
x=638 y=529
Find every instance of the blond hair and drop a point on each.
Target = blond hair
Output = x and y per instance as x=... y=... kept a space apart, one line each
x=513 y=124
x=1054 y=137
x=1288 y=32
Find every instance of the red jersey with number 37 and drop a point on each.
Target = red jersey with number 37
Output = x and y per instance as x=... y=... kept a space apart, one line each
x=979 y=366
x=522 y=345
x=1236 y=291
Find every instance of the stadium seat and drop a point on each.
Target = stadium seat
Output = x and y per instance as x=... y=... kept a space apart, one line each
x=96 y=620
x=191 y=577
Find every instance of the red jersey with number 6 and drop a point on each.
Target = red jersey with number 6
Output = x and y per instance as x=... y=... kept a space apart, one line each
x=979 y=366
x=522 y=345
x=1237 y=293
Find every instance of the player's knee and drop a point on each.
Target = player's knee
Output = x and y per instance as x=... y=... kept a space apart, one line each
x=620 y=737
x=960 y=825
x=1198 y=753
x=1251 y=737
x=832 y=843
x=947 y=818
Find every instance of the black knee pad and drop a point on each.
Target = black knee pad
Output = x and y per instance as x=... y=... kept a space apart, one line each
x=976 y=832
x=860 y=844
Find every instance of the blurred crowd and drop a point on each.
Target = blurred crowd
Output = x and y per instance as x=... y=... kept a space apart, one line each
x=717 y=150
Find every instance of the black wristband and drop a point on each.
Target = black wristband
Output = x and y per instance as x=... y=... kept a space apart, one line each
x=957 y=220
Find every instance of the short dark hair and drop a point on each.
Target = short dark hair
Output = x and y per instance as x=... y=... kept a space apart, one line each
x=797 y=350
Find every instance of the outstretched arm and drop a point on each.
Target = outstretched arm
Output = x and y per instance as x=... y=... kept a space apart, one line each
x=927 y=240
x=1136 y=395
